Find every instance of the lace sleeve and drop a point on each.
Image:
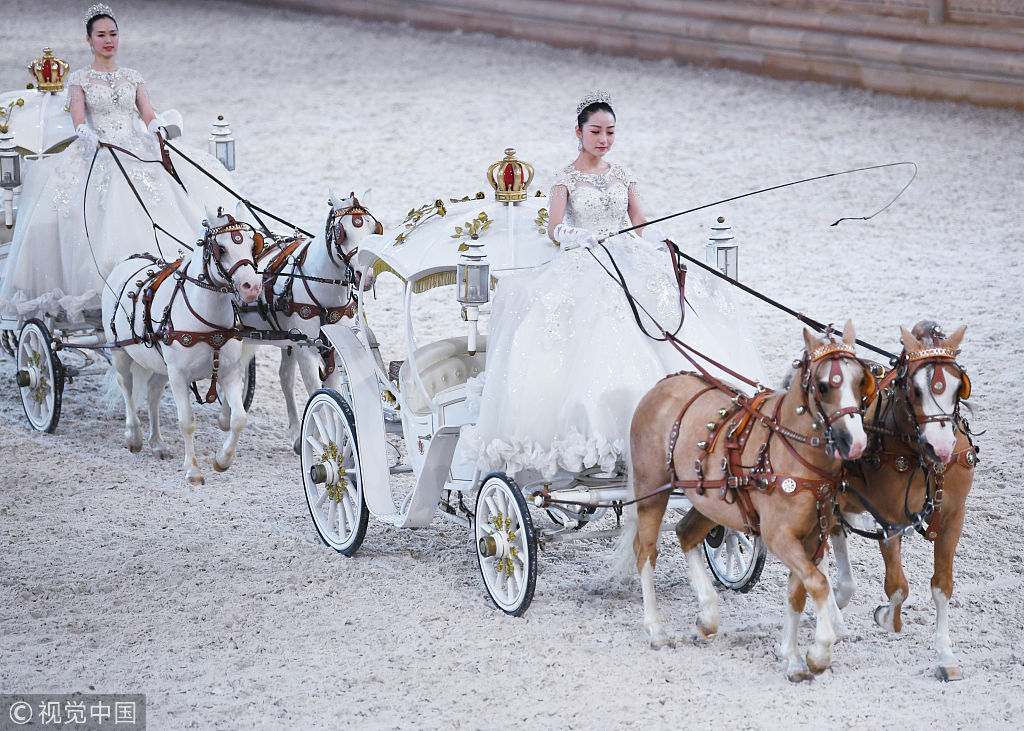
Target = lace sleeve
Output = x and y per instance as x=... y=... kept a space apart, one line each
x=629 y=179
x=562 y=181
x=143 y=103
x=76 y=96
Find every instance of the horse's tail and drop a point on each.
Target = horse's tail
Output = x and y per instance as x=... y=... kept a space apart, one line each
x=623 y=561
x=112 y=397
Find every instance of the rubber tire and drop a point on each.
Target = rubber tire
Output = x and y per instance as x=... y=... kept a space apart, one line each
x=249 y=384
x=348 y=544
x=36 y=330
x=518 y=604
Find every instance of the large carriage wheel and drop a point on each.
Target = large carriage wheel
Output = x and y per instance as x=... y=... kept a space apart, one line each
x=331 y=474
x=40 y=377
x=735 y=559
x=506 y=544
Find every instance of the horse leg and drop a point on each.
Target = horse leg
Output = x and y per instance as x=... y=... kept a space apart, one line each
x=691 y=531
x=123 y=373
x=232 y=395
x=645 y=547
x=156 y=391
x=286 y=374
x=792 y=552
x=186 y=423
x=888 y=616
x=838 y=623
x=951 y=523
x=796 y=668
x=846 y=585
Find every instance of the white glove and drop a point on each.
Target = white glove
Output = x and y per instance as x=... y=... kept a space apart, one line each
x=653 y=234
x=89 y=138
x=570 y=237
x=156 y=126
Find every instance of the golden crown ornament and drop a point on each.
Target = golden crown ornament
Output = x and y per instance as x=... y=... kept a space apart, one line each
x=49 y=71
x=510 y=178
x=98 y=9
x=593 y=97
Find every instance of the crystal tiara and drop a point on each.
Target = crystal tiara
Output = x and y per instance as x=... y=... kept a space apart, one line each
x=593 y=98
x=98 y=9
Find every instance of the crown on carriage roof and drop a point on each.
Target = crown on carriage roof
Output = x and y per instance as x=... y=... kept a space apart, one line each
x=98 y=9
x=48 y=71
x=510 y=177
x=593 y=97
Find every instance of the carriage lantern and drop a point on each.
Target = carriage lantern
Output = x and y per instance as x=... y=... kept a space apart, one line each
x=722 y=251
x=473 y=278
x=222 y=144
x=10 y=173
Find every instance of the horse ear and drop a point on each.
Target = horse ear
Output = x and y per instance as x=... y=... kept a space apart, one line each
x=909 y=341
x=953 y=341
x=332 y=198
x=243 y=214
x=810 y=341
x=367 y=197
x=211 y=215
x=849 y=336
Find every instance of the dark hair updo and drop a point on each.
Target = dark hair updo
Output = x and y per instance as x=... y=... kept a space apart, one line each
x=590 y=110
x=92 y=21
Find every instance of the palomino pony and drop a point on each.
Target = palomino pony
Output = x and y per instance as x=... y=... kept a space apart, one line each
x=308 y=284
x=915 y=473
x=177 y=321
x=767 y=463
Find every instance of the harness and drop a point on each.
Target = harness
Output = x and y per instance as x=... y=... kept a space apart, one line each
x=732 y=431
x=157 y=333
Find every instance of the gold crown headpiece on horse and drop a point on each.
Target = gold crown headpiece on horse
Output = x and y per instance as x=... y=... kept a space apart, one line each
x=98 y=9
x=594 y=97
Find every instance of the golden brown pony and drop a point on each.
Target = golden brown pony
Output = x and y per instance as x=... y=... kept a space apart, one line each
x=915 y=473
x=767 y=463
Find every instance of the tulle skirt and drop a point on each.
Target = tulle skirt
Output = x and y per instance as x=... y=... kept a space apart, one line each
x=567 y=362
x=73 y=226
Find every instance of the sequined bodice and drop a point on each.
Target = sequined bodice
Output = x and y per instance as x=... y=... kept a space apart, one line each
x=109 y=100
x=598 y=202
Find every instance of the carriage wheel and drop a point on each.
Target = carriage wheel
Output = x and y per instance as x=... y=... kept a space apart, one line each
x=331 y=474
x=506 y=544
x=249 y=384
x=735 y=559
x=40 y=377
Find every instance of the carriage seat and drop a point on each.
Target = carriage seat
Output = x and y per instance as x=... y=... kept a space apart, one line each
x=442 y=365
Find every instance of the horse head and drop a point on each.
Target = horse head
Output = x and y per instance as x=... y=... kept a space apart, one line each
x=834 y=382
x=933 y=384
x=348 y=223
x=231 y=244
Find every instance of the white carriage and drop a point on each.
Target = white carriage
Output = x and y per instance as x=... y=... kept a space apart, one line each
x=351 y=440
x=35 y=123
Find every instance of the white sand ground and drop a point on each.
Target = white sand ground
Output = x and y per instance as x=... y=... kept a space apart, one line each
x=220 y=603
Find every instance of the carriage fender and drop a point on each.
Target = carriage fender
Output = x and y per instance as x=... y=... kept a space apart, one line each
x=369 y=416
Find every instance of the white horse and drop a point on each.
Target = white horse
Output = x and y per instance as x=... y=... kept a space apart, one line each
x=176 y=322
x=307 y=284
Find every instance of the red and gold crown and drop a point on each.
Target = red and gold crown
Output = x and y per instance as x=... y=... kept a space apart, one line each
x=49 y=71
x=510 y=177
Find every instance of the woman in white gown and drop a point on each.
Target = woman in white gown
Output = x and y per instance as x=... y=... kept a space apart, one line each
x=567 y=362
x=55 y=264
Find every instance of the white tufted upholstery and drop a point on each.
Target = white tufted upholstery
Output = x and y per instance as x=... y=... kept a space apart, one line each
x=442 y=365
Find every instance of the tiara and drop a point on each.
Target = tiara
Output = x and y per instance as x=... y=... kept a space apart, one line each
x=98 y=9
x=593 y=97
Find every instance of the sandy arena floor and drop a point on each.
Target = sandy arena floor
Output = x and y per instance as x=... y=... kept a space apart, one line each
x=224 y=608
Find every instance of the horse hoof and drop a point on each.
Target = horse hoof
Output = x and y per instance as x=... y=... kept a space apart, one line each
x=220 y=468
x=161 y=453
x=133 y=448
x=798 y=675
x=884 y=617
x=663 y=641
x=708 y=633
x=197 y=480
x=818 y=665
x=949 y=673
x=297 y=446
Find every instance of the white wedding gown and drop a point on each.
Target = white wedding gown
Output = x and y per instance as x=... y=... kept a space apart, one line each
x=567 y=363
x=53 y=265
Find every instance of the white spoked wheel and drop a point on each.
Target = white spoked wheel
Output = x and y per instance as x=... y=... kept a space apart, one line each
x=735 y=559
x=330 y=472
x=40 y=377
x=506 y=544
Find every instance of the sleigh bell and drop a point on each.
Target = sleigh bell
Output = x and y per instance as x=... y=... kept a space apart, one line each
x=510 y=178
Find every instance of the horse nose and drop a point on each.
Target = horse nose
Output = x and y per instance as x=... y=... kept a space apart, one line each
x=251 y=290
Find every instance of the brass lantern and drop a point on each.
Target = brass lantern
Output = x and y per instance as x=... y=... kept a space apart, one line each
x=222 y=144
x=722 y=250
x=10 y=173
x=473 y=279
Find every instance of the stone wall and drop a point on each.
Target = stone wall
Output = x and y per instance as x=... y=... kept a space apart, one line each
x=969 y=50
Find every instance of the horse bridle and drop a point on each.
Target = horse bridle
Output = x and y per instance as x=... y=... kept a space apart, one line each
x=334 y=231
x=835 y=352
x=235 y=228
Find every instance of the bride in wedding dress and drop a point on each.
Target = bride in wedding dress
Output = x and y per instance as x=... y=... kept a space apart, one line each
x=567 y=361
x=74 y=225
